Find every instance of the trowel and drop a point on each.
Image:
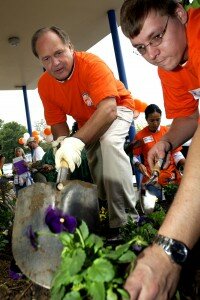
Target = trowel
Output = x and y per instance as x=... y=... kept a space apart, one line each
x=147 y=200
x=74 y=197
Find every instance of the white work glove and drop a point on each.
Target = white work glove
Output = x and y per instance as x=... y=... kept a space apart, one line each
x=70 y=152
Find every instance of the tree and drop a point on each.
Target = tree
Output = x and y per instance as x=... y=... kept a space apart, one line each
x=9 y=136
x=40 y=125
x=1 y=123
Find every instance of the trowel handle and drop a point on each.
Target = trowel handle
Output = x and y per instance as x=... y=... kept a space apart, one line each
x=63 y=175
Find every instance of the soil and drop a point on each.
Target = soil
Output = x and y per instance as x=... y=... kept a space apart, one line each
x=22 y=289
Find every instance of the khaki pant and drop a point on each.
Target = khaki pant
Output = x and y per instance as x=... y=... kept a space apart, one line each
x=111 y=169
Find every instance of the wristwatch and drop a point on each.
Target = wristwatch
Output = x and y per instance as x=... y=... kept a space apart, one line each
x=176 y=250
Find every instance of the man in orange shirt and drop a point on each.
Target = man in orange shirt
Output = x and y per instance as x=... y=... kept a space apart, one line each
x=168 y=37
x=81 y=85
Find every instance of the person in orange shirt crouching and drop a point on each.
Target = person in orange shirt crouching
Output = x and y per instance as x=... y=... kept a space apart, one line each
x=144 y=140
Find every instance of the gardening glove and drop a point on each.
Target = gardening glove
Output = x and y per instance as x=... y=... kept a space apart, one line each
x=70 y=152
x=56 y=144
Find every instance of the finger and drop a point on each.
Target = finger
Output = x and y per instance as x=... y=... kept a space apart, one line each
x=167 y=161
x=71 y=165
x=58 y=160
x=132 y=289
x=147 y=174
x=78 y=161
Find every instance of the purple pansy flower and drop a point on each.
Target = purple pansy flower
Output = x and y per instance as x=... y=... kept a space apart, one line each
x=136 y=248
x=14 y=271
x=57 y=221
x=33 y=237
x=142 y=220
x=15 y=276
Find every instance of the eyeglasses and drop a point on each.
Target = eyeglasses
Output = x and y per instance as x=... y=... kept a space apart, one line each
x=154 y=42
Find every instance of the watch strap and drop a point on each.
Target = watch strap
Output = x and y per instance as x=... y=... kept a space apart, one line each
x=176 y=250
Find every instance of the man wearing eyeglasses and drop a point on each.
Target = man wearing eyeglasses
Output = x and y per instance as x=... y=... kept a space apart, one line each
x=169 y=37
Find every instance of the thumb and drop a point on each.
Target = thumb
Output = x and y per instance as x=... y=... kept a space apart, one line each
x=58 y=159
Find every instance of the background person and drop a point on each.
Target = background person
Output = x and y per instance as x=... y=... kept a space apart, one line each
x=144 y=140
x=37 y=155
x=168 y=37
x=80 y=84
x=22 y=176
x=2 y=161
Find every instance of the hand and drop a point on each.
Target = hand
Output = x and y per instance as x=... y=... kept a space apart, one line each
x=70 y=152
x=155 y=277
x=159 y=151
x=47 y=168
x=143 y=170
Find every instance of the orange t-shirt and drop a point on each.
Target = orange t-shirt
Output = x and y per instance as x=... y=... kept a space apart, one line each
x=178 y=84
x=147 y=140
x=91 y=82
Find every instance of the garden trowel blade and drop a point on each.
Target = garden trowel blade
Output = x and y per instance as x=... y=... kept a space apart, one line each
x=77 y=198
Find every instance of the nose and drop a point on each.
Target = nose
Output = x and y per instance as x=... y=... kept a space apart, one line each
x=55 y=61
x=152 y=52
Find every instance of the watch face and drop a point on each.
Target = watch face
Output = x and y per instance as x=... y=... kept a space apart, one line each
x=179 y=252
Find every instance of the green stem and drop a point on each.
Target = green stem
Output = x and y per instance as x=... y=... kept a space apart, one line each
x=81 y=238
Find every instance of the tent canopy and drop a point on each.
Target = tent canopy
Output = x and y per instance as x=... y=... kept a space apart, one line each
x=86 y=22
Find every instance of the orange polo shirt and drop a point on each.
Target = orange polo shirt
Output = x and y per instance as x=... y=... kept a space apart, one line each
x=91 y=82
x=147 y=140
x=179 y=84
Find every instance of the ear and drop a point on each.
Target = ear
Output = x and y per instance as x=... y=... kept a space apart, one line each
x=181 y=14
x=71 y=47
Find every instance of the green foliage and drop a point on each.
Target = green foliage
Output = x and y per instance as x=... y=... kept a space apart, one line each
x=145 y=229
x=9 y=135
x=170 y=191
x=1 y=123
x=194 y=4
x=7 y=204
x=89 y=269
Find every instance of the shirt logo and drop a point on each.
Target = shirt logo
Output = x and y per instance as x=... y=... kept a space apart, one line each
x=87 y=99
x=195 y=93
x=148 y=139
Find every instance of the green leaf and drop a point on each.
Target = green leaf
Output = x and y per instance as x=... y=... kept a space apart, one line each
x=111 y=295
x=127 y=257
x=124 y=294
x=94 y=241
x=119 y=250
x=57 y=293
x=70 y=266
x=178 y=295
x=65 y=238
x=75 y=263
x=73 y=296
x=61 y=277
x=84 y=230
x=101 y=271
x=96 y=290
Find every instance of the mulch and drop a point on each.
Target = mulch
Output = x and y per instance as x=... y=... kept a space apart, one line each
x=22 y=289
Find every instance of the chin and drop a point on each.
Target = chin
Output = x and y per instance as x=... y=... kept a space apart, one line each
x=171 y=65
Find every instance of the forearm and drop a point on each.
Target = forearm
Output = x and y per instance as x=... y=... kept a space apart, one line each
x=182 y=220
x=60 y=129
x=99 y=122
x=181 y=130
